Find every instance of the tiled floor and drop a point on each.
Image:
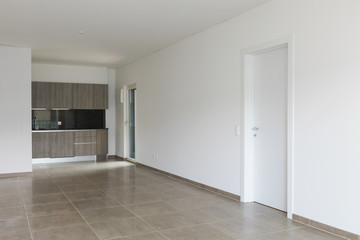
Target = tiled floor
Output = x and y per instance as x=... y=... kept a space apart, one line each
x=116 y=200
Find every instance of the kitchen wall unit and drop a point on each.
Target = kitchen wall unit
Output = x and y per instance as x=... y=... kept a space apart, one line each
x=83 y=96
x=52 y=95
x=101 y=96
x=40 y=94
x=61 y=95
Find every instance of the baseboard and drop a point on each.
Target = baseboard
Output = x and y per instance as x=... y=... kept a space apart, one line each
x=326 y=228
x=20 y=174
x=191 y=182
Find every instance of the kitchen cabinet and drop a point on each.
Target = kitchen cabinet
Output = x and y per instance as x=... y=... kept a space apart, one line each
x=56 y=144
x=61 y=95
x=40 y=95
x=101 y=96
x=41 y=145
x=83 y=96
x=85 y=143
x=62 y=144
x=102 y=142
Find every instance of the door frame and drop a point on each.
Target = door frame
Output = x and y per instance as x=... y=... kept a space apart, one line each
x=127 y=122
x=247 y=161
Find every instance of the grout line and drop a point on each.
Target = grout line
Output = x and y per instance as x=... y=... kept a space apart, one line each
x=322 y=230
x=132 y=213
x=27 y=218
x=76 y=209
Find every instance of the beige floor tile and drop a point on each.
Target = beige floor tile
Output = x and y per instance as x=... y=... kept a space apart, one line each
x=106 y=214
x=43 y=199
x=16 y=236
x=79 y=188
x=6 y=202
x=10 y=227
x=169 y=221
x=201 y=232
x=300 y=234
x=42 y=189
x=151 y=208
x=193 y=202
x=76 y=196
x=95 y=203
x=49 y=222
x=252 y=227
x=137 y=198
x=147 y=236
x=123 y=191
x=13 y=212
x=48 y=209
x=109 y=193
x=121 y=228
x=81 y=232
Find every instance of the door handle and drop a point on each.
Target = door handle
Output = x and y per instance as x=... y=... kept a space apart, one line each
x=255 y=129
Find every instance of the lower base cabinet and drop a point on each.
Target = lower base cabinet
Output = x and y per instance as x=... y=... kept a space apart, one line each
x=69 y=144
x=41 y=145
x=62 y=144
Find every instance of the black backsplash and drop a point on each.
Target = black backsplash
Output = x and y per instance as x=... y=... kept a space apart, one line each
x=68 y=119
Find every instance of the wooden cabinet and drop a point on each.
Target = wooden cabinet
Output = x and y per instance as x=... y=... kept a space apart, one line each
x=69 y=95
x=101 y=96
x=102 y=142
x=41 y=145
x=85 y=143
x=83 y=96
x=62 y=144
x=61 y=95
x=40 y=95
x=70 y=144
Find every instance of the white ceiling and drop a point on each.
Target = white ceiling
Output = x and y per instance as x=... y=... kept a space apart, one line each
x=116 y=31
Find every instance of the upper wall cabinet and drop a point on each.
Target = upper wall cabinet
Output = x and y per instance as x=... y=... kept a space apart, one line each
x=40 y=97
x=61 y=95
x=101 y=96
x=69 y=95
x=83 y=96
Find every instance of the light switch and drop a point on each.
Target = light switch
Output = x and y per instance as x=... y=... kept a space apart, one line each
x=237 y=130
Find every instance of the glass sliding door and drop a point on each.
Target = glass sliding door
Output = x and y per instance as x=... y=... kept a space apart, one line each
x=132 y=99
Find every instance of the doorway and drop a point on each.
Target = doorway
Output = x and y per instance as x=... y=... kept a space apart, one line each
x=131 y=120
x=267 y=164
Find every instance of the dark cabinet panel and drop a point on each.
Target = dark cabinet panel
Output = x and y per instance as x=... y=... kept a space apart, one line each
x=61 y=95
x=83 y=96
x=102 y=142
x=62 y=144
x=101 y=96
x=40 y=95
x=41 y=145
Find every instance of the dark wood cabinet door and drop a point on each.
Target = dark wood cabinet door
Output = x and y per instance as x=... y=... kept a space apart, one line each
x=102 y=142
x=62 y=144
x=83 y=96
x=40 y=95
x=40 y=145
x=61 y=95
x=101 y=96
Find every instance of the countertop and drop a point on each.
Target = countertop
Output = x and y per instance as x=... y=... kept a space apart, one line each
x=67 y=130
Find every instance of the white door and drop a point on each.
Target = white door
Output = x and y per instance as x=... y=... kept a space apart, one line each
x=270 y=128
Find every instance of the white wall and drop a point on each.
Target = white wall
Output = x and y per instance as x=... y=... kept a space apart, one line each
x=15 y=105
x=189 y=101
x=82 y=74
x=68 y=73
